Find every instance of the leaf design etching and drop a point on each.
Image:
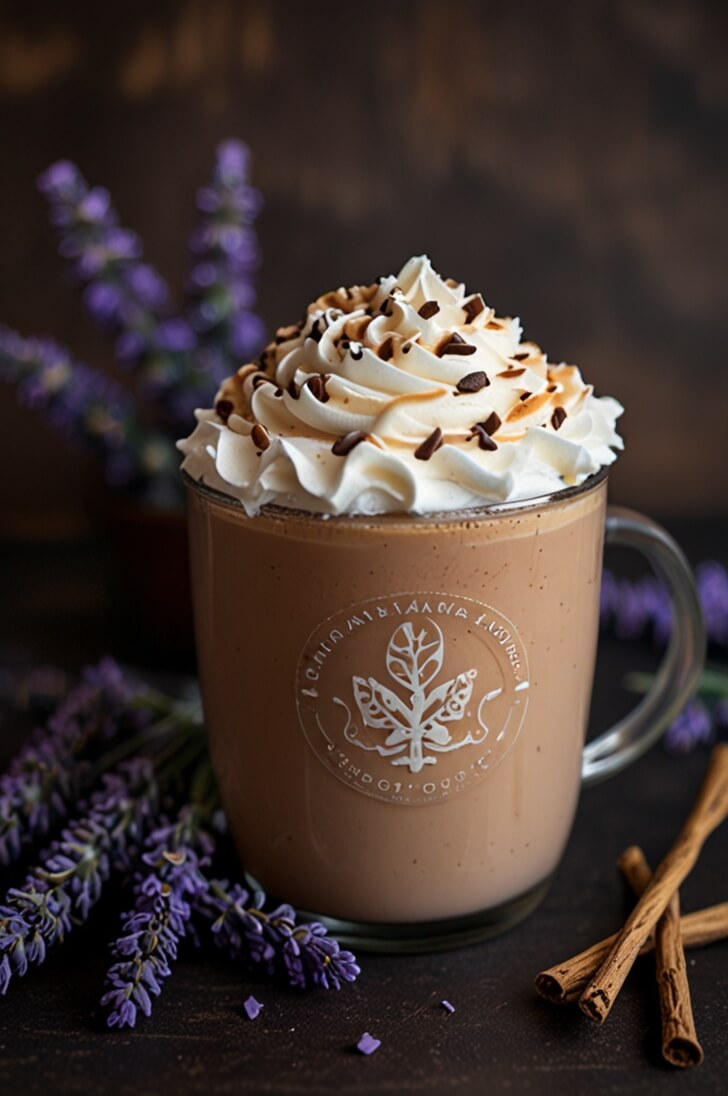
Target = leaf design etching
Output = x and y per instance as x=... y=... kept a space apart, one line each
x=414 y=660
x=449 y=701
x=379 y=707
x=421 y=722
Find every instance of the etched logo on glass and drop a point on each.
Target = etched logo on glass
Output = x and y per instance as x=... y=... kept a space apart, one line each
x=414 y=697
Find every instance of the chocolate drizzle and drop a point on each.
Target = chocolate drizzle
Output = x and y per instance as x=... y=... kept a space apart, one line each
x=473 y=382
x=317 y=387
x=285 y=334
x=454 y=344
x=428 y=309
x=344 y=445
x=558 y=417
x=430 y=445
x=224 y=409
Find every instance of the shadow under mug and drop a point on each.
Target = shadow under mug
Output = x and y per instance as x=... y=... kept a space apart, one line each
x=397 y=705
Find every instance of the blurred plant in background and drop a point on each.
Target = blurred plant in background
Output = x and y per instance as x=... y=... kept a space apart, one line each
x=641 y=609
x=171 y=359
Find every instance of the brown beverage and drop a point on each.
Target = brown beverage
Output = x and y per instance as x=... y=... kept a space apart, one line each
x=319 y=816
x=396 y=525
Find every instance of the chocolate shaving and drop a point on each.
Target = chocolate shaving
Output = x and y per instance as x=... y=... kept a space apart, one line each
x=430 y=445
x=492 y=423
x=358 y=353
x=521 y=357
x=406 y=348
x=455 y=344
x=524 y=396
x=316 y=331
x=278 y=392
x=494 y=325
x=558 y=417
x=344 y=445
x=261 y=378
x=484 y=439
x=508 y=373
x=386 y=350
x=293 y=390
x=428 y=309
x=317 y=387
x=473 y=382
x=552 y=388
x=261 y=439
x=224 y=409
x=473 y=307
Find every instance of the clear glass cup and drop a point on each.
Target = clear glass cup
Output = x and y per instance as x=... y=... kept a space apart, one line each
x=397 y=705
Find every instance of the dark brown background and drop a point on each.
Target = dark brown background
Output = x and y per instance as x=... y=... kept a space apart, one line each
x=567 y=158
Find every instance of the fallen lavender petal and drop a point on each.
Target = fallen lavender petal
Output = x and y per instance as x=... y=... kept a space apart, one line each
x=252 y=1008
x=368 y=1044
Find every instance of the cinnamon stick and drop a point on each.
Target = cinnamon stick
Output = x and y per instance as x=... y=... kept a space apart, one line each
x=566 y=981
x=680 y=1045
x=710 y=809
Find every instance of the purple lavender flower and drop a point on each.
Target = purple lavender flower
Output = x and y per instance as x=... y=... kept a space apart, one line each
x=226 y=258
x=712 y=581
x=693 y=727
x=633 y=608
x=304 y=954
x=68 y=881
x=90 y=410
x=121 y=291
x=42 y=780
x=174 y=856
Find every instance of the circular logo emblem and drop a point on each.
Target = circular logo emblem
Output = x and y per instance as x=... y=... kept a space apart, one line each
x=412 y=698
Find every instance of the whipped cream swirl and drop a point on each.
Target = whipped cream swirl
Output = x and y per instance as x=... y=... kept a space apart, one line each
x=408 y=395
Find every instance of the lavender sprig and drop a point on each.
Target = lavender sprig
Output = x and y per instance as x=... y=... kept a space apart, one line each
x=633 y=609
x=93 y=412
x=61 y=890
x=693 y=727
x=127 y=298
x=302 y=953
x=43 y=779
x=226 y=258
x=173 y=858
x=122 y=294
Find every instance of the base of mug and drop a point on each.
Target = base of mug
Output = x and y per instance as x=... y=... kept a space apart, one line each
x=426 y=936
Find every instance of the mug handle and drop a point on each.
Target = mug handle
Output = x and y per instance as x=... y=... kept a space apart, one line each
x=683 y=660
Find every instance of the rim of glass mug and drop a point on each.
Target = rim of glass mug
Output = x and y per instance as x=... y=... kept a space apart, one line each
x=679 y=671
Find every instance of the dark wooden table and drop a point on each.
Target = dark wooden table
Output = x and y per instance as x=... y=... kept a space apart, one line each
x=501 y=1037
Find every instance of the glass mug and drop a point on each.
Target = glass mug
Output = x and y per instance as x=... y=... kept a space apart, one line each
x=396 y=705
